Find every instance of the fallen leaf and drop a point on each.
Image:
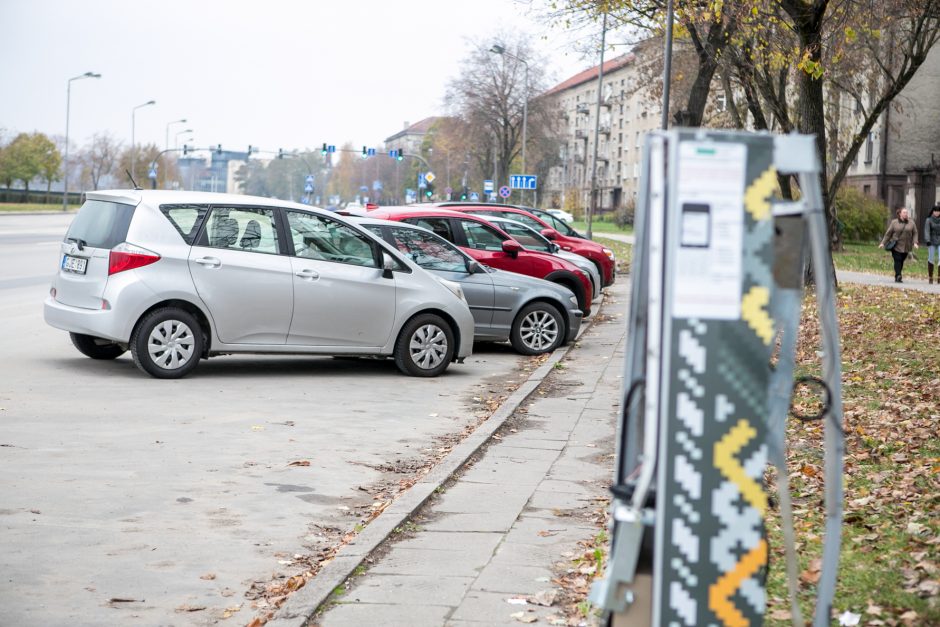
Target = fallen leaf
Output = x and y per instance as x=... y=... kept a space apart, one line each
x=301 y=462
x=547 y=533
x=120 y=600
x=928 y=588
x=190 y=608
x=231 y=611
x=916 y=529
x=848 y=619
x=257 y=428
x=208 y=576
x=909 y=617
x=517 y=601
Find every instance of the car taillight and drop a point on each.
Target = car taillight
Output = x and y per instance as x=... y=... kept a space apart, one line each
x=127 y=257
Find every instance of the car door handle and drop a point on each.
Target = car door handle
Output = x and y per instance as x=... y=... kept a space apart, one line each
x=309 y=274
x=210 y=262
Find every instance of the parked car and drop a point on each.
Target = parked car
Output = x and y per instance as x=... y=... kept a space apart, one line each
x=179 y=276
x=493 y=247
x=533 y=240
x=602 y=256
x=535 y=316
x=561 y=214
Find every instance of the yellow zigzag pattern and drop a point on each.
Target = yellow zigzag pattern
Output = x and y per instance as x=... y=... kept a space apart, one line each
x=754 y=312
x=757 y=195
x=719 y=593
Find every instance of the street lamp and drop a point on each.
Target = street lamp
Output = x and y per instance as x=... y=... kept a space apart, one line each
x=133 y=124
x=500 y=50
x=183 y=121
x=176 y=139
x=68 y=102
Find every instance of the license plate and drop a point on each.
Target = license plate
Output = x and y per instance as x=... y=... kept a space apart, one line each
x=76 y=265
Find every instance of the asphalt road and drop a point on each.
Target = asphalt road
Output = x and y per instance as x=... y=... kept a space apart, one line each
x=127 y=500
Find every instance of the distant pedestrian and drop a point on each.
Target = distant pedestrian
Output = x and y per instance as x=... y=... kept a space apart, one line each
x=932 y=237
x=901 y=240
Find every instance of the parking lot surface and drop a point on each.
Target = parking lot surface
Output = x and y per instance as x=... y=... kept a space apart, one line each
x=130 y=500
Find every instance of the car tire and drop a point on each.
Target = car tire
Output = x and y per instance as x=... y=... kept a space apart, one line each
x=165 y=358
x=537 y=329
x=95 y=347
x=425 y=346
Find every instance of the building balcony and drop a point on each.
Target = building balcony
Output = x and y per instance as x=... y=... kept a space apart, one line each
x=579 y=158
x=580 y=134
x=583 y=108
x=604 y=128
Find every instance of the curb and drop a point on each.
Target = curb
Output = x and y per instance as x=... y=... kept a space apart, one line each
x=301 y=606
x=70 y=212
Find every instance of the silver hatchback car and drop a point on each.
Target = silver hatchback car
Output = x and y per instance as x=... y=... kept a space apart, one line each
x=178 y=276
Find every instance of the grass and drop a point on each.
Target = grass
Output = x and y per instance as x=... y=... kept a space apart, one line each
x=11 y=207
x=891 y=526
x=622 y=251
x=867 y=257
x=601 y=226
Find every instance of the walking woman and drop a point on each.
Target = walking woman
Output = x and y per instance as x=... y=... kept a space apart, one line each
x=900 y=239
x=932 y=237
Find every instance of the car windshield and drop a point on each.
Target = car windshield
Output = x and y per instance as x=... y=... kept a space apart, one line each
x=426 y=249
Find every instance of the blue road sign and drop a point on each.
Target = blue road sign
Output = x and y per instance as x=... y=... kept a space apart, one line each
x=474 y=197
x=504 y=191
x=308 y=188
x=331 y=148
x=152 y=174
x=488 y=187
x=377 y=185
x=309 y=179
x=422 y=184
x=523 y=181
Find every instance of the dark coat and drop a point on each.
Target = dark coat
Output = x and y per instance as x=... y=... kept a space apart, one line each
x=904 y=232
x=932 y=231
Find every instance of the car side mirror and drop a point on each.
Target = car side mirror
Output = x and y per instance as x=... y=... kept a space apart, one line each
x=553 y=248
x=511 y=247
x=474 y=267
x=549 y=234
x=388 y=265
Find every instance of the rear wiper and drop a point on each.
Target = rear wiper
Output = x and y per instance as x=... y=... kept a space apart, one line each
x=78 y=241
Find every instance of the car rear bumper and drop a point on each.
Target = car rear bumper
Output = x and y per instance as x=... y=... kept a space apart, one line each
x=101 y=323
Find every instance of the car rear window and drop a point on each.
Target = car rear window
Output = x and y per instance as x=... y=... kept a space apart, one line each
x=186 y=219
x=101 y=224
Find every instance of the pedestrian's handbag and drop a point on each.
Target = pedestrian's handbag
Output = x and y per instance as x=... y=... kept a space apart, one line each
x=891 y=244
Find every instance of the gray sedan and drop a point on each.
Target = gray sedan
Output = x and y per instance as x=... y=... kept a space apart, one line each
x=536 y=316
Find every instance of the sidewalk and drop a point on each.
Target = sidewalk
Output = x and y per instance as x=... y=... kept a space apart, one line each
x=500 y=526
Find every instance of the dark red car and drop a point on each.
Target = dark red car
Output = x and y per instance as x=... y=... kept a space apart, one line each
x=491 y=246
x=602 y=256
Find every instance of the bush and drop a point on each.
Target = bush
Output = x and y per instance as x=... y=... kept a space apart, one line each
x=623 y=217
x=861 y=218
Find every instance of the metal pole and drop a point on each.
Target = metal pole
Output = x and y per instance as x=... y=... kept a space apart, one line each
x=68 y=104
x=592 y=207
x=167 y=143
x=667 y=68
x=133 y=124
x=525 y=120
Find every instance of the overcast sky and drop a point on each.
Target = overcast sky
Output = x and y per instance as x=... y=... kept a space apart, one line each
x=274 y=73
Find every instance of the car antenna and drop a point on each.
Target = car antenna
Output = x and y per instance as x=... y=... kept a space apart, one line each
x=136 y=186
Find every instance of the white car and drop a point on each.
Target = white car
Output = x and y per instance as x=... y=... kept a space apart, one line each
x=175 y=277
x=561 y=214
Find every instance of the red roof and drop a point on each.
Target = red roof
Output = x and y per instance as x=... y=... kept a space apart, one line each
x=583 y=77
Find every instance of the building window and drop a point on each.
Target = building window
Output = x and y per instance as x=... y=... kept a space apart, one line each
x=869 y=147
x=866 y=189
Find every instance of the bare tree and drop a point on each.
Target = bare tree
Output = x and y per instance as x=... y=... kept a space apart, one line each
x=98 y=159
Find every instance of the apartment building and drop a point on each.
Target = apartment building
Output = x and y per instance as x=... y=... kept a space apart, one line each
x=627 y=113
x=410 y=138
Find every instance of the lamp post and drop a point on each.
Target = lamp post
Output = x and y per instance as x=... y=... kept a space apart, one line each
x=168 y=125
x=133 y=124
x=176 y=139
x=497 y=49
x=68 y=102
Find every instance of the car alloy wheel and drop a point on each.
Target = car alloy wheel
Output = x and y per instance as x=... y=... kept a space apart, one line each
x=425 y=346
x=167 y=343
x=537 y=329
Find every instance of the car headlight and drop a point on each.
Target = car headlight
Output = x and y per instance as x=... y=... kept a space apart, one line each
x=609 y=253
x=455 y=288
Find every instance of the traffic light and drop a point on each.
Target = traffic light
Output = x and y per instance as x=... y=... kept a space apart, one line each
x=400 y=154
x=463 y=194
x=185 y=150
x=365 y=152
x=323 y=150
x=280 y=153
x=218 y=149
x=249 y=150
x=429 y=190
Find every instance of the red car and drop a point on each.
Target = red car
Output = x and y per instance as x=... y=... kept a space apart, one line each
x=492 y=246
x=602 y=257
